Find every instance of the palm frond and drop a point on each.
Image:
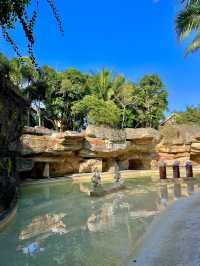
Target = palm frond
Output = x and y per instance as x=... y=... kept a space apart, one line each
x=194 y=45
x=188 y=20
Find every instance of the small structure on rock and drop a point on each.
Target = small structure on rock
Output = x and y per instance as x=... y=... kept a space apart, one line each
x=96 y=179
x=97 y=189
x=117 y=176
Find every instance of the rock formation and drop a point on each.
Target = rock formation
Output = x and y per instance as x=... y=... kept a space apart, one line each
x=48 y=153
x=179 y=142
x=97 y=147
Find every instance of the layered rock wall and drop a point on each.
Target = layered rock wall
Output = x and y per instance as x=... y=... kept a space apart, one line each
x=71 y=152
x=48 y=153
x=179 y=142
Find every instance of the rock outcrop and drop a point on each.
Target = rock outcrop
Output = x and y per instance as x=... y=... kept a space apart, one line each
x=97 y=147
x=47 y=153
x=179 y=142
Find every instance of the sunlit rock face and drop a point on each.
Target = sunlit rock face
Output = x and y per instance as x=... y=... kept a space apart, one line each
x=179 y=142
x=98 y=147
x=107 y=149
x=56 y=143
x=89 y=165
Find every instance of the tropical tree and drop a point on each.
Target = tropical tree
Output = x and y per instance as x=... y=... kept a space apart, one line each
x=125 y=96
x=190 y=116
x=101 y=84
x=22 y=72
x=97 y=111
x=152 y=101
x=187 y=22
x=4 y=66
x=71 y=86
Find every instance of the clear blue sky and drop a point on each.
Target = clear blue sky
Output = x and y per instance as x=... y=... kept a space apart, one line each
x=127 y=36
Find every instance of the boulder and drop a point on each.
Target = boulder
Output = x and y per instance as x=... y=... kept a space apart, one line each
x=142 y=135
x=89 y=166
x=102 y=132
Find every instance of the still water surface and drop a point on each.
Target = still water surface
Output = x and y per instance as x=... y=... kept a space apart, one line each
x=56 y=224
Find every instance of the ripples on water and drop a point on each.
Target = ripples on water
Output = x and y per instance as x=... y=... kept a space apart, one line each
x=56 y=224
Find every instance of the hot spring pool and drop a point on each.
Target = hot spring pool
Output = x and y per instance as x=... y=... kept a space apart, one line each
x=56 y=224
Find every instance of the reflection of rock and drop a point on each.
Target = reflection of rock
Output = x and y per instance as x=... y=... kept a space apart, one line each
x=44 y=224
x=101 y=221
x=142 y=214
x=106 y=218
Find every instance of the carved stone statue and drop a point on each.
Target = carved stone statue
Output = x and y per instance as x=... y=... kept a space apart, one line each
x=96 y=179
x=117 y=176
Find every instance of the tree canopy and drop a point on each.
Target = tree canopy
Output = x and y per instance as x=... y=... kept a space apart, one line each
x=190 y=116
x=70 y=99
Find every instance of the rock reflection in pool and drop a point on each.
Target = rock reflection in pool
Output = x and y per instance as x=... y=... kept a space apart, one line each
x=48 y=223
x=66 y=227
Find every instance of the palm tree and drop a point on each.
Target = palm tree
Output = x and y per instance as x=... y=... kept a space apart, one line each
x=101 y=84
x=187 y=22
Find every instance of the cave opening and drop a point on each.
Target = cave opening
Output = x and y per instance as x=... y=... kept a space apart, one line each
x=135 y=164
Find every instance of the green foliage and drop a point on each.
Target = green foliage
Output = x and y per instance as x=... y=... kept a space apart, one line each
x=188 y=22
x=97 y=111
x=190 y=115
x=69 y=100
x=67 y=87
x=12 y=12
x=101 y=84
x=152 y=101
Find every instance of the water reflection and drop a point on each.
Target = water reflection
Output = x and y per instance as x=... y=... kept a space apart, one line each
x=175 y=190
x=66 y=227
x=46 y=224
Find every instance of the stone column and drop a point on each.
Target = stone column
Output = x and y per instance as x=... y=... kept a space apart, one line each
x=46 y=172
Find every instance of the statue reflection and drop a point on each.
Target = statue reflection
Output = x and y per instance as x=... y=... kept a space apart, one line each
x=177 y=190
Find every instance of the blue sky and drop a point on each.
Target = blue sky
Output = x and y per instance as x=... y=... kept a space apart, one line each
x=127 y=36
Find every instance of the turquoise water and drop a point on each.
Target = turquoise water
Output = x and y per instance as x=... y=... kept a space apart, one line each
x=56 y=224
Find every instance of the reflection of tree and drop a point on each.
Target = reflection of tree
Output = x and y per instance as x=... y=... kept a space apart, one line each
x=44 y=224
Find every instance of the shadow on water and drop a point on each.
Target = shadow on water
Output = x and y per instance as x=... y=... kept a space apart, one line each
x=56 y=224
